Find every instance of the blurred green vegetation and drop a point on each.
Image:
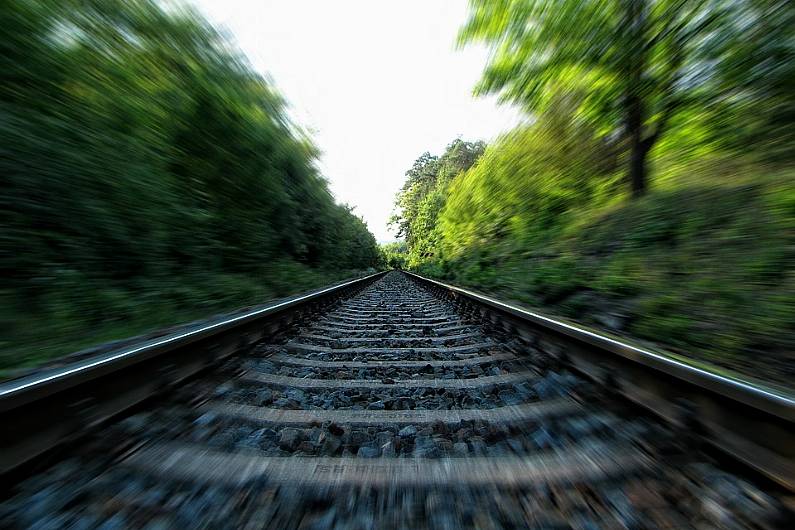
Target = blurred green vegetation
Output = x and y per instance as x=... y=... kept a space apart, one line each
x=393 y=255
x=149 y=175
x=702 y=260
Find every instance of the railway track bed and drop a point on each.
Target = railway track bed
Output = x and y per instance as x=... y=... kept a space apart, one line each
x=391 y=408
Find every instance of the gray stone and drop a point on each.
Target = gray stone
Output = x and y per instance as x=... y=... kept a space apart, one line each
x=316 y=436
x=509 y=398
x=306 y=447
x=335 y=429
x=330 y=445
x=478 y=445
x=368 y=452
x=289 y=439
x=252 y=440
x=264 y=397
x=357 y=437
x=281 y=402
x=522 y=388
x=383 y=437
x=426 y=452
x=444 y=445
x=407 y=431
x=542 y=438
x=545 y=389
x=295 y=394
x=515 y=445
x=388 y=449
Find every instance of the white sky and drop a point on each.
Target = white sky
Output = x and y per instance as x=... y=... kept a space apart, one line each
x=376 y=82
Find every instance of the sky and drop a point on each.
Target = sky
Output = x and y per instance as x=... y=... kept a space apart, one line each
x=377 y=83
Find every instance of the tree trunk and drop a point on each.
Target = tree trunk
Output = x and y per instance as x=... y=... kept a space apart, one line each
x=638 y=148
x=637 y=169
x=635 y=22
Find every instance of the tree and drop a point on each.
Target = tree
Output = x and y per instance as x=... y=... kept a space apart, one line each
x=144 y=159
x=420 y=179
x=752 y=95
x=638 y=61
x=422 y=196
x=393 y=255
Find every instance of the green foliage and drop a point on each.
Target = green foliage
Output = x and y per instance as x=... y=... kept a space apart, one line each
x=393 y=255
x=755 y=65
x=705 y=262
x=705 y=266
x=423 y=195
x=525 y=184
x=639 y=64
x=137 y=144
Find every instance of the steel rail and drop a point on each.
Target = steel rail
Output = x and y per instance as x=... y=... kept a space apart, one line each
x=87 y=392
x=11 y=391
x=751 y=424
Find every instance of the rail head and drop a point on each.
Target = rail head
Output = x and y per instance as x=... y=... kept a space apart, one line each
x=50 y=408
x=745 y=392
x=20 y=391
x=751 y=424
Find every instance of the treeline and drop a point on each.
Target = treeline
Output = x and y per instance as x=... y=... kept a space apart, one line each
x=394 y=255
x=679 y=228
x=424 y=193
x=147 y=169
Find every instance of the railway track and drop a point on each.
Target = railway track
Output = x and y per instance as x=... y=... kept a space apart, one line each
x=392 y=407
